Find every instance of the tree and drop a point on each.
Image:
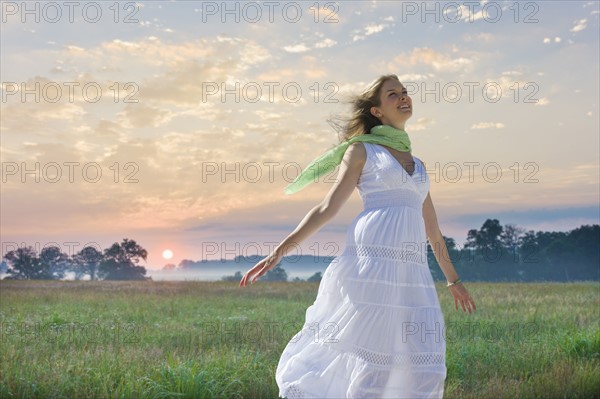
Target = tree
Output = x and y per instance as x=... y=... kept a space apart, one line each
x=511 y=236
x=23 y=263
x=276 y=274
x=169 y=267
x=54 y=263
x=315 y=277
x=488 y=237
x=236 y=277
x=186 y=264
x=450 y=243
x=528 y=247
x=120 y=261
x=87 y=261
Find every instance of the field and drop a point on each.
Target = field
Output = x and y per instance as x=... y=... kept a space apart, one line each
x=216 y=340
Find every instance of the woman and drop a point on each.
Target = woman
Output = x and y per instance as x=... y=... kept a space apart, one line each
x=376 y=329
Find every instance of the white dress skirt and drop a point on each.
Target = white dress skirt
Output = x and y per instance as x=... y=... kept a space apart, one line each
x=376 y=329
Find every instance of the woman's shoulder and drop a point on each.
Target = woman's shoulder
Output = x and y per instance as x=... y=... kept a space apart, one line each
x=357 y=152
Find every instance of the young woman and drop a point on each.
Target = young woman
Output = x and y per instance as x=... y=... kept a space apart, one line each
x=376 y=329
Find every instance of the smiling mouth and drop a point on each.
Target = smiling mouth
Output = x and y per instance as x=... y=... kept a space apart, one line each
x=404 y=107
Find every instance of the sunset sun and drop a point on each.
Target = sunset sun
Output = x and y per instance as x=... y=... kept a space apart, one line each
x=167 y=254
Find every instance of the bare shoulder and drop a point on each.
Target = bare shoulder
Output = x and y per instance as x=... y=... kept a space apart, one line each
x=356 y=154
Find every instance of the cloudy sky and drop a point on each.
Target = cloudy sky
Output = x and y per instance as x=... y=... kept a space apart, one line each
x=178 y=124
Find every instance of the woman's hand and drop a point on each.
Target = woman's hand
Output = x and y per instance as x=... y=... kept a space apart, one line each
x=261 y=268
x=461 y=295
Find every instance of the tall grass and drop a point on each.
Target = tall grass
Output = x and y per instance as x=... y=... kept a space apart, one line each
x=166 y=339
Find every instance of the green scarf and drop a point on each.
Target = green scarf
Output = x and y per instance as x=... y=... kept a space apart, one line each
x=381 y=134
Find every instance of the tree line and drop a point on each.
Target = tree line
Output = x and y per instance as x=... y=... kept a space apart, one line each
x=491 y=253
x=510 y=253
x=118 y=262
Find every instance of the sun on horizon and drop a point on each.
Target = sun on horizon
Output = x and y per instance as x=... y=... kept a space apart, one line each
x=167 y=254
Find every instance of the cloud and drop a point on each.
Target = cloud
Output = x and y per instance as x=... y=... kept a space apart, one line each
x=421 y=124
x=467 y=16
x=188 y=82
x=151 y=51
x=581 y=25
x=437 y=61
x=141 y=115
x=325 y=43
x=504 y=87
x=372 y=29
x=548 y=40
x=37 y=117
x=479 y=37
x=297 y=48
x=488 y=125
x=413 y=77
x=369 y=30
x=253 y=54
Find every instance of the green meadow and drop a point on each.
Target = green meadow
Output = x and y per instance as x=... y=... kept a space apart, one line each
x=166 y=339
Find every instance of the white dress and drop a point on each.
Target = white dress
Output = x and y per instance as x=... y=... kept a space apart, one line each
x=376 y=329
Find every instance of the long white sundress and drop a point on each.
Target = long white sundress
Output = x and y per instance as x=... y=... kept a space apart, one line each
x=376 y=329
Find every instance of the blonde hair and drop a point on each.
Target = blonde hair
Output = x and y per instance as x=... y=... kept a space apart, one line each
x=361 y=120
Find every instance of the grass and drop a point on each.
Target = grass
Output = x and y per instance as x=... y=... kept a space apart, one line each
x=63 y=339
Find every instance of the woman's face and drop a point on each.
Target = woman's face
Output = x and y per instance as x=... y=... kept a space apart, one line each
x=396 y=105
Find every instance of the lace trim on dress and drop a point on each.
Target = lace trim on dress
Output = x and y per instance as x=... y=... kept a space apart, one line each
x=411 y=253
x=400 y=359
x=293 y=392
x=364 y=280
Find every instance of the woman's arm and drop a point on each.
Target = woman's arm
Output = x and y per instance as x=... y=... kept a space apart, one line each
x=436 y=240
x=348 y=175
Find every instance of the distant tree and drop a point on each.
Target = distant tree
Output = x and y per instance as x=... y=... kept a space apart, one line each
x=23 y=263
x=236 y=277
x=528 y=246
x=450 y=243
x=315 y=277
x=169 y=267
x=488 y=237
x=87 y=261
x=120 y=261
x=586 y=257
x=54 y=262
x=296 y=279
x=511 y=236
x=586 y=239
x=186 y=264
x=275 y=274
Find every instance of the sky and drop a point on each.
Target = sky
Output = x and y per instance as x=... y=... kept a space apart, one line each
x=178 y=124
